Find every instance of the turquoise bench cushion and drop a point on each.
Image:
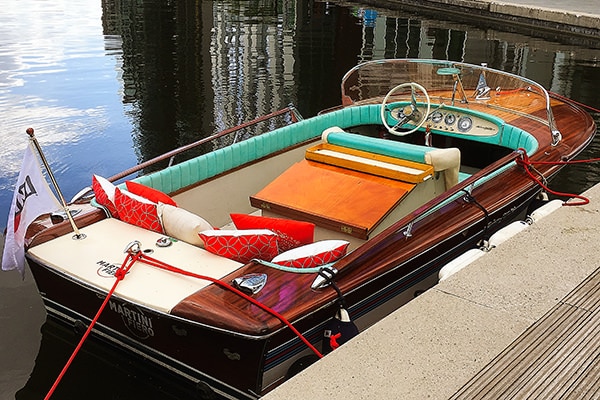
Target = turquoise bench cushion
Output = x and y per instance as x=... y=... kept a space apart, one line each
x=211 y=164
x=405 y=151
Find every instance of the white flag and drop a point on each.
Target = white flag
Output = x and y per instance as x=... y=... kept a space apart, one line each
x=31 y=199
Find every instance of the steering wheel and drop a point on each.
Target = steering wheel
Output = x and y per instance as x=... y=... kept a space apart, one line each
x=408 y=113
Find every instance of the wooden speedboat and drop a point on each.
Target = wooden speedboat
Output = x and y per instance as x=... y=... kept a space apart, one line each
x=246 y=263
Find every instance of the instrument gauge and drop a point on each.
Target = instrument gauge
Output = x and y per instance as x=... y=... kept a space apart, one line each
x=436 y=117
x=465 y=124
x=450 y=119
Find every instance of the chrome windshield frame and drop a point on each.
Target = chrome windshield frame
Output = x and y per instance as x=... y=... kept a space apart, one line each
x=359 y=88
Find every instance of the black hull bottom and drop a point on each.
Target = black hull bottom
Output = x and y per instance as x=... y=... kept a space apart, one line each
x=160 y=367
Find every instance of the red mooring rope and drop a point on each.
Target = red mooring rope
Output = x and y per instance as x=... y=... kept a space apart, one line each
x=159 y=264
x=120 y=274
x=526 y=163
x=566 y=99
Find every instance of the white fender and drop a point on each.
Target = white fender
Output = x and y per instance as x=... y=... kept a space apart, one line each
x=459 y=263
x=506 y=233
x=498 y=238
x=544 y=210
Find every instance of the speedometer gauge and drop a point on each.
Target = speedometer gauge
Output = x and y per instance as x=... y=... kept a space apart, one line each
x=436 y=117
x=465 y=124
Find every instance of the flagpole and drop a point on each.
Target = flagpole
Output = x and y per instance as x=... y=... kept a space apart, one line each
x=32 y=137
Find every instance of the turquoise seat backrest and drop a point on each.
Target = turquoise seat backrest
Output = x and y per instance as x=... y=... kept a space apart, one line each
x=515 y=138
x=214 y=163
x=211 y=164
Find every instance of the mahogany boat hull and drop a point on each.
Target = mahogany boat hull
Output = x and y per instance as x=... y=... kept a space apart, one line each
x=204 y=354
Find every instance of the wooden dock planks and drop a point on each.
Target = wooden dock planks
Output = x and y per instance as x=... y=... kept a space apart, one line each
x=558 y=357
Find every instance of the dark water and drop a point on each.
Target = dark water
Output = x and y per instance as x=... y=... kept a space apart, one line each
x=108 y=84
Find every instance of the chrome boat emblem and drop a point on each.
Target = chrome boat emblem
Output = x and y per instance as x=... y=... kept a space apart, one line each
x=250 y=283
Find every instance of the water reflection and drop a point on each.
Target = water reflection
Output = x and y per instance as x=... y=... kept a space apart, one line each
x=57 y=78
x=108 y=84
x=99 y=372
x=113 y=84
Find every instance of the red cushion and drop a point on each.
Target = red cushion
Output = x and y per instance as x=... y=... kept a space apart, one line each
x=291 y=233
x=137 y=210
x=241 y=245
x=314 y=254
x=151 y=194
x=104 y=191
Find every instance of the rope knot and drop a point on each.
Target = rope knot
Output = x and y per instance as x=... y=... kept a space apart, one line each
x=120 y=274
x=523 y=159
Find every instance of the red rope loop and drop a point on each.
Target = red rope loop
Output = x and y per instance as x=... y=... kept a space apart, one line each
x=526 y=163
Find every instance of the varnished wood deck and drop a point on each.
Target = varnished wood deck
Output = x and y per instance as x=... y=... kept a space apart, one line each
x=556 y=358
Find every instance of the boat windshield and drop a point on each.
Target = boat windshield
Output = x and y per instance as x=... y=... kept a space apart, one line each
x=447 y=82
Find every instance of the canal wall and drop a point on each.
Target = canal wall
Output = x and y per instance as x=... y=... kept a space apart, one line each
x=579 y=17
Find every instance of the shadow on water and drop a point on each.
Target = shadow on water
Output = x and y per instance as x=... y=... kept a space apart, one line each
x=114 y=83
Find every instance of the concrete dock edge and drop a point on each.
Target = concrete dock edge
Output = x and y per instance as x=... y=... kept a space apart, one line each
x=435 y=344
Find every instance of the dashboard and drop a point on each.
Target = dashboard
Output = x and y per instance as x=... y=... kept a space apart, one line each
x=454 y=121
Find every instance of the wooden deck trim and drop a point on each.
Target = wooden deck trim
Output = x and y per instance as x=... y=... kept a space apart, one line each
x=370 y=163
x=557 y=357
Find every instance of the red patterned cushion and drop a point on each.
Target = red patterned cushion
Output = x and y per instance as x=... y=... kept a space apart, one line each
x=241 y=245
x=137 y=210
x=291 y=233
x=154 y=195
x=104 y=191
x=314 y=254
